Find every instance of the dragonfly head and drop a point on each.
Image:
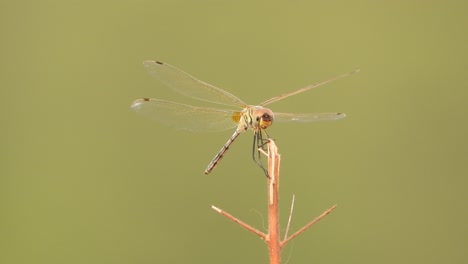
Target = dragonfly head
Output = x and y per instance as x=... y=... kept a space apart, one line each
x=263 y=117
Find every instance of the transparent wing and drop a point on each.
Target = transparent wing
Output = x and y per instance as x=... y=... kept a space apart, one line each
x=186 y=117
x=309 y=117
x=190 y=86
x=308 y=87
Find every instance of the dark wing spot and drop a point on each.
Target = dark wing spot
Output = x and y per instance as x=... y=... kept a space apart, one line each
x=158 y=62
x=146 y=99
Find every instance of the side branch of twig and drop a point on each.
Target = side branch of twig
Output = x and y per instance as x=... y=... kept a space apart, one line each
x=308 y=225
x=290 y=217
x=243 y=224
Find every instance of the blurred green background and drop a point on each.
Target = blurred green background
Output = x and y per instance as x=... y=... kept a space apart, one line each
x=83 y=179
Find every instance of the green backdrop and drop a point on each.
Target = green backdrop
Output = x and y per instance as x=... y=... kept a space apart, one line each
x=83 y=179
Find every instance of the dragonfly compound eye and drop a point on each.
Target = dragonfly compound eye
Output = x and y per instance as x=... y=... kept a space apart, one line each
x=264 y=118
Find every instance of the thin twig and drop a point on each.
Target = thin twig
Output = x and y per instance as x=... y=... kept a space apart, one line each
x=244 y=225
x=290 y=216
x=308 y=225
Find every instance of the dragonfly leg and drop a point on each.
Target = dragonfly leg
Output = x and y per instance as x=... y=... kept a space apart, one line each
x=259 y=142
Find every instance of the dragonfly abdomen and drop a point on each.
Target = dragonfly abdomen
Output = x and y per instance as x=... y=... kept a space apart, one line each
x=221 y=152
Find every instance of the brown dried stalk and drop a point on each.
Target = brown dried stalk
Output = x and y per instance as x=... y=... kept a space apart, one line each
x=272 y=238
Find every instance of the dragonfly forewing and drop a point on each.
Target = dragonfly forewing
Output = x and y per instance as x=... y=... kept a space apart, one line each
x=308 y=117
x=308 y=87
x=190 y=86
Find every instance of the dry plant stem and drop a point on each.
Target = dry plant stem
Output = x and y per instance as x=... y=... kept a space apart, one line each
x=273 y=237
x=275 y=245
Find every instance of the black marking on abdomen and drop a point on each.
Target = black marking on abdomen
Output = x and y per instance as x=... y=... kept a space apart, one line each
x=217 y=158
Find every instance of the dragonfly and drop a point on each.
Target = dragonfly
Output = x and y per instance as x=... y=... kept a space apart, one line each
x=203 y=119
